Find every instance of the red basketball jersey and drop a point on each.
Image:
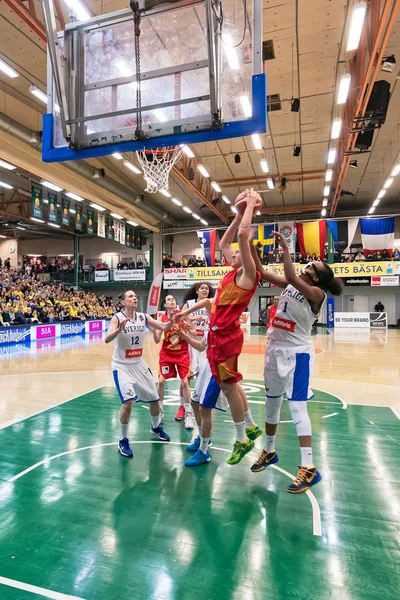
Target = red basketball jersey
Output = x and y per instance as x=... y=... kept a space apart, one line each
x=229 y=303
x=173 y=344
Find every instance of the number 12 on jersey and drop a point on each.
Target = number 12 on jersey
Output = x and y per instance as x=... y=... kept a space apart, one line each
x=135 y=340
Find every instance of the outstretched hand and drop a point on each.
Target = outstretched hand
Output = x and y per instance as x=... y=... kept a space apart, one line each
x=280 y=239
x=122 y=325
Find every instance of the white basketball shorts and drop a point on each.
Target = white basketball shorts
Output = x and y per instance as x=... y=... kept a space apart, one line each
x=135 y=382
x=207 y=391
x=288 y=370
x=197 y=359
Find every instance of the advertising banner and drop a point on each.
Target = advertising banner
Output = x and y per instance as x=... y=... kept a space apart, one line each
x=90 y=220
x=78 y=217
x=122 y=233
x=15 y=335
x=386 y=280
x=72 y=328
x=65 y=204
x=330 y=312
x=196 y=273
x=175 y=273
x=101 y=225
x=350 y=281
x=45 y=331
x=378 y=320
x=102 y=276
x=128 y=237
x=91 y=326
x=363 y=269
x=52 y=207
x=37 y=201
x=109 y=228
x=154 y=295
x=360 y=319
x=287 y=229
x=130 y=275
x=116 y=230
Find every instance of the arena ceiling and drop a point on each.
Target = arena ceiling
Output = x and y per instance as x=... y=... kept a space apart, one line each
x=306 y=42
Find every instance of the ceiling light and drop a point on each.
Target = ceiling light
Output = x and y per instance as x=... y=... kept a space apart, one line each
x=388 y=183
x=328 y=175
x=226 y=199
x=371 y=210
x=188 y=151
x=82 y=14
x=296 y=151
x=176 y=201
x=271 y=183
x=376 y=202
x=165 y=193
x=331 y=156
x=258 y=213
x=234 y=210
x=336 y=128
x=45 y=201
x=394 y=173
x=196 y=216
x=246 y=106
x=295 y=104
x=203 y=171
x=97 y=206
x=50 y=185
x=388 y=63
x=36 y=220
x=117 y=155
x=160 y=116
x=133 y=223
x=215 y=185
x=344 y=86
x=7 y=70
x=323 y=212
x=325 y=202
x=381 y=194
x=53 y=225
x=38 y=93
x=72 y=210
x=237 y=158
x=74 y=196
x=6 y=185
x=256 y=141
x=356 y=25
x=21 y=228
x=230 y=52
x=327 y=190
x=3 y=236
x=186 y=209
x=203 y=221
x=132 y=167
x=116 y=216
x=353 y=164
x=264 y=165
x=149 y=180
x=7 y=165
x=124 y=68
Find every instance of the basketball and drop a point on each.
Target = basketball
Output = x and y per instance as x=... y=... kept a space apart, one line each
x=241 y=201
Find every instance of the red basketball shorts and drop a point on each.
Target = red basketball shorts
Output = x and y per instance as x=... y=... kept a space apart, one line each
x=223 y=354
x=170 y=367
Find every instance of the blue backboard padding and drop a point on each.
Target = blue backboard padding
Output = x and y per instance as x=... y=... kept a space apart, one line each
x=257 y=124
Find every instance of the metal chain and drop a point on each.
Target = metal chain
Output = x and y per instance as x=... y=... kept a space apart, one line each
x=134 y=4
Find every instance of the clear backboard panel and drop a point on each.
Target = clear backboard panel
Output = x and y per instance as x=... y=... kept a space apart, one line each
x=200 y=64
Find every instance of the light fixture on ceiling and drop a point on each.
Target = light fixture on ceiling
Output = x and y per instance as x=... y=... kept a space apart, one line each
x=203 y=221
x=323 y=212
x=3 y=236
x=230 y=52
x=325 y=202
x=45 y=201
x=74 y=196
x=97 y=207
x=5 y=185
x=203 y=171
x=162 y=117
x=216 y=187
x=226 y=199
x=52 y=186
x=328 y=175
x=381 y=194
x=187 y=150
x=195 y=216
x=344 y=87
x=246 y=106
x=271 y=183
x=256 y=141
x=234 y=210
x=327 y=190
x=388 y=183
x=82 y=14
x=296 y=150
x=186 y=209
x=356 y=25
x=388 y=63
x=264 y=165
x=376 y=202
x=133 y=223
x=21 y=228
x=331 y=156
x=371 y=210
x=336 y=128
x=237 y=158
x=132 y=167
x=394 y=173
x=176 y=201
x=258 y=213
x=117 y=155
x=38 y=94
x=165 y=193
x=7 y=165
x=116 y=216
x=72 y=210
x=36 y=220
x=53 y=225
x=353 y=164
x=295 y=104
x=7 y=70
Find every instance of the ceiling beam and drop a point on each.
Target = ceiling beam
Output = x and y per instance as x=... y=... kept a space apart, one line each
x=298 y=208
x=28 y=19
x=263 y=177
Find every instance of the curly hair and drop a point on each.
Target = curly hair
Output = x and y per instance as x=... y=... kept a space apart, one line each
x=191 y=294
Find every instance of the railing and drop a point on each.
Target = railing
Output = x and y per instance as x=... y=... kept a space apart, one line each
x=103 y=276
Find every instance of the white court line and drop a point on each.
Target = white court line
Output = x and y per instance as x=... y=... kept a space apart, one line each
x=311 y=497
x=54 y=373
x=331 y=415
x=33 y=589
x=146 y=407
x=39 y=412
x=395 y=411
x=334 y=395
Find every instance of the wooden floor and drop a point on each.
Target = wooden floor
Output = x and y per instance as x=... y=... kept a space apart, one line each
x=78 y=521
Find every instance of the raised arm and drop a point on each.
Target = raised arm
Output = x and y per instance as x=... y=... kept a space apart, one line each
x=115 y=328
x=277 y=280
x=154 y=324
x=205 y=303
x=227 y=239
x=199 y=345
x=245 y=240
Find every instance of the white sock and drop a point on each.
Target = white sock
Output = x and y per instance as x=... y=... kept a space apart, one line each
x=204 y=444
x=270 y=443
x=199 y=433
x=306 y=457
x=181 y=401
x=187 y=408
x=240 y=431
x=161 y=403
x=248 y=419
x=124 y=430
x=155 y=421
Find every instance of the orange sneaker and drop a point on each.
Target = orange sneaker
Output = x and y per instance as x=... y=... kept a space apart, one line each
x=180 y=415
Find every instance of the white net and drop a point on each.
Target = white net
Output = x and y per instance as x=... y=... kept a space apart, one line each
x=157 y=165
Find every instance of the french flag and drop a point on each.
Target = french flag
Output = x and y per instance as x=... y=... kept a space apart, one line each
x=208 y=243
x=377 y=234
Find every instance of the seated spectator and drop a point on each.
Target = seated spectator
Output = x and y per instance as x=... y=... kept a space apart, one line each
x=379 y=307
x=139 y=264
x=379 y=256
x=359 y=256
x=184 y=262
x=99 y=265
x=396 y=254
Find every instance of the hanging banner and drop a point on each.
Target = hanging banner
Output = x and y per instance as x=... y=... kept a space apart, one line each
x=52 y=207
x=78 y=217
x=37 y=201
x=128 y=237
x=287 y=229
x=101 y=225
x=133 y=238
x=138 y=239
x=122 y=233
x=330 y=312
x=109 y=228
x=208 y=240
x=116 y=230
x=90 y=221
x=154 y=295
x=65 y=204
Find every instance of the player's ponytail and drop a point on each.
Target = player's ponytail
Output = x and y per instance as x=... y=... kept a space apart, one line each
x=329 y=282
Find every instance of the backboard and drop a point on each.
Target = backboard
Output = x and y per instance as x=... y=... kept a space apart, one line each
x=200 y=78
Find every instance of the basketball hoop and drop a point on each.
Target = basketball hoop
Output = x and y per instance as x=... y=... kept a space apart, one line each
x=157 y=165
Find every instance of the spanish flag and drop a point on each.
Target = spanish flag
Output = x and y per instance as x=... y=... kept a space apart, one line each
x=311 y=237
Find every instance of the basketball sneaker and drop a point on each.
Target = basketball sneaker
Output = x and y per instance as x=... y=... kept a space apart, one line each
x=198 y=459
x=240 y=449
x=180 y=415
x=195 y=445
x=189 y=421
x=306 y=478
x=124 y=448
x=253 y=432
x=265 y=459
x=160 y=433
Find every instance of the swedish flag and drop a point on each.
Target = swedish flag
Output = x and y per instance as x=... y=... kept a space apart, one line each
x=263 y=236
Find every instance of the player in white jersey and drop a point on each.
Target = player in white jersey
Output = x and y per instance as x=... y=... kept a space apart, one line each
x=289 y=357
x=132 y=376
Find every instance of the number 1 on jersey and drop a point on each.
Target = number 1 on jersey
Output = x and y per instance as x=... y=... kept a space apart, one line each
x=285 y=307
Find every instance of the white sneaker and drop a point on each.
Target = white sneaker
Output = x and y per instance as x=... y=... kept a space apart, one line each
x=189 y=421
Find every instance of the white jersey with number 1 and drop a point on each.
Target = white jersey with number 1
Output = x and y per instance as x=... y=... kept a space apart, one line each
x=200 y=324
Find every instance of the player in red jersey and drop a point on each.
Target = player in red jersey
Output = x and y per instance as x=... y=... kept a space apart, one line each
x=225 y=339
x=271 y=311
x=174 y=360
